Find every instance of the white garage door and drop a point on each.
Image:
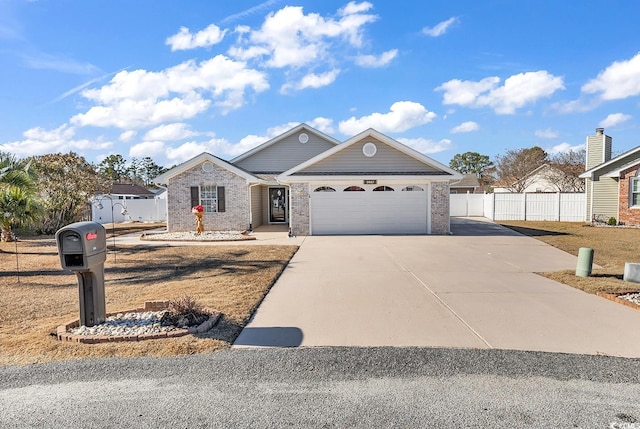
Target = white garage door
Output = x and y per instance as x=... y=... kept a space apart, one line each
x=397 y=209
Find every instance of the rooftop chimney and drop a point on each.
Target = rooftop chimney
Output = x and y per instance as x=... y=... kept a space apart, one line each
x=598 y=149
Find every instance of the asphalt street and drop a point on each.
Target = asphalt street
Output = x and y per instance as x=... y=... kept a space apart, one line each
x=327 y=387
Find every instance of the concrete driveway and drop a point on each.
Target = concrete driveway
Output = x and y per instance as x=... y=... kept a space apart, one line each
x=476 y=288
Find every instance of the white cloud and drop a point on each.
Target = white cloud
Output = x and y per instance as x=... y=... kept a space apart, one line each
x=218 y=147
x=620 y=80
x=322 y=124
x=354 y=7
x=372 y=61
x=290 y=38
x=135 y=114
x=176 y=131
x=423 y=145
x=148 y=148
x=440 y=28
x=127 y=136
x=248 y=12
x=312 y=80
x=39 y=141
x=144 y=98
x=185 y=151
x=518 y=90
x=614 y=119
x=574 y=106
x=547 y=134
x=465 y=127
x=402 y=116
x=564 y=147
x=184 y=39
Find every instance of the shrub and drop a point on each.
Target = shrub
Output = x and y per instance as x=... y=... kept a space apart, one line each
x=184 y=312
x=612 y=221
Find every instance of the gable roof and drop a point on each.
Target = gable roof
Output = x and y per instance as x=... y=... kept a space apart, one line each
x=292 y=131
x=129 y=189
x=612 y=168
x=440 y=170
x=205 y=156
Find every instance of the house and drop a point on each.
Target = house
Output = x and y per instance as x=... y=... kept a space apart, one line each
x=468 y=184
x=129 y=202
x=612 y=184
x=314 y=184
x=541 y=179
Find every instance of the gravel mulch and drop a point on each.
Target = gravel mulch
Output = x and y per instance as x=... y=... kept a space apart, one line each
x=192 y=236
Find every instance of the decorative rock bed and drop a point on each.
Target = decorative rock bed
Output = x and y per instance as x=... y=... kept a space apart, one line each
x=629 y=298
x=192 y=236
x=131 y=325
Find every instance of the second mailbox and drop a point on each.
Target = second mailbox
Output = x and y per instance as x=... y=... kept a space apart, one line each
x=82 y=245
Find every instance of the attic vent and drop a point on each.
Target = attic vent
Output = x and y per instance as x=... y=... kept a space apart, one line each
x=369 y=149
x=303 y=138
x=207 y=167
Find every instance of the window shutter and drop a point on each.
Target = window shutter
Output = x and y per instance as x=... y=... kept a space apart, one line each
x=221 y=199
x=195 y=196
x=631 y=179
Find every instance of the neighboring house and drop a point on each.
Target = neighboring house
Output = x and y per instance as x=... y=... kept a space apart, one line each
x=369 y=184
x=128 y=202
x=612 y=184
x=468 y=184
x=539 y=180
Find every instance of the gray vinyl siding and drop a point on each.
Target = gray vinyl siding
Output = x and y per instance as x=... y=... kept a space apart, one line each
x=285 y=154
x=598 y=150
x=386 y=159
x=605 y=197
x=256 y=206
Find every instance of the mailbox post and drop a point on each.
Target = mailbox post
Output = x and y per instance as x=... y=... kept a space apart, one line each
x=82 y=247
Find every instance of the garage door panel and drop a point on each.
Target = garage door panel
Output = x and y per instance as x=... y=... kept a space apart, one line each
x=369 y=212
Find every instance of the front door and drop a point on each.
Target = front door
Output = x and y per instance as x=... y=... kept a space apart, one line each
x=277 y=205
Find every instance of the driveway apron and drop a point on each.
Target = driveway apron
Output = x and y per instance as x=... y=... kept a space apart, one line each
x=476 y=288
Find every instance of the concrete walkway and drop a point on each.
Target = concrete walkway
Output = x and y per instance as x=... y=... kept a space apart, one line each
x=475 y=289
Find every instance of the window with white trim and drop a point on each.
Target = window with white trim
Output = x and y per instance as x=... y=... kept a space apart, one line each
x=634 y=194
x=209 y=198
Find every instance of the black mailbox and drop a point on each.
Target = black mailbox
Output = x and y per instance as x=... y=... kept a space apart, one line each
x=82 y=247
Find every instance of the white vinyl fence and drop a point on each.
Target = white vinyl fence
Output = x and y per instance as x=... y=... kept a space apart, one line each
x=565 y=207
x=149 y=210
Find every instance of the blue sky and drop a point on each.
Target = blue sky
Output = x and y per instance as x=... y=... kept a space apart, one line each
x=171 y=79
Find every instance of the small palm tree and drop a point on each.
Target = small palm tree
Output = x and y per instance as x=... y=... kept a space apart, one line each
x=17 y=208
x=16 y=173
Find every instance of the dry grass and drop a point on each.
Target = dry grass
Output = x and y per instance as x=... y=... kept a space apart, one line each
x=228 y=279
x=613 y=246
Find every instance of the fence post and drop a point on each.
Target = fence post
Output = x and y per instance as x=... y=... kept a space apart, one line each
x=559 y=206
x=467 y=205
x=524 y=206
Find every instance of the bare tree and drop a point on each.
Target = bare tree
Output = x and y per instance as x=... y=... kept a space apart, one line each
x=565 y=169
x=514 y=168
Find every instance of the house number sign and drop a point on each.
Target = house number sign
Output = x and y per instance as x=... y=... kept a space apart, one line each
x=370 y=182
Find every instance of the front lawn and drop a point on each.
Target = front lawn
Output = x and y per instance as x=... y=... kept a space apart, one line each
x=613 y=246
x=37 y=295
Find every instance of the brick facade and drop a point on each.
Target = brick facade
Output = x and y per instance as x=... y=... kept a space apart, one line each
x=300 y=208
x=628 y=215
x=440 y=208
x=234 y=218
